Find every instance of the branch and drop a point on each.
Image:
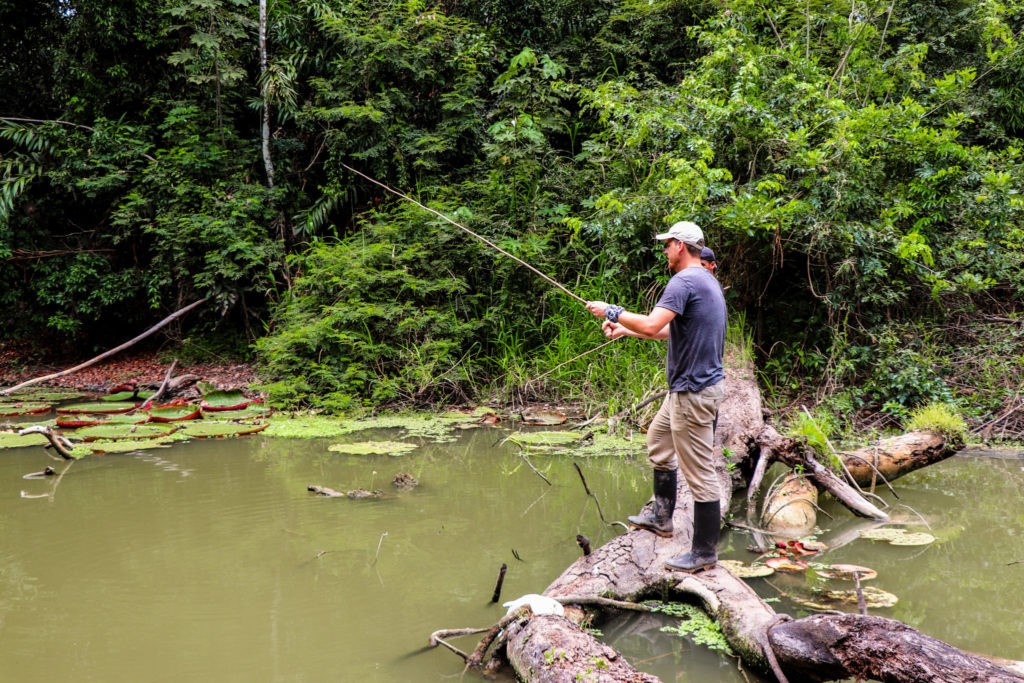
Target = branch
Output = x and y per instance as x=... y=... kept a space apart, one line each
x=163 y=323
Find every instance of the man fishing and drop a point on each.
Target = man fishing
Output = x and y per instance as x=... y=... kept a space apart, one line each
x=691 y=315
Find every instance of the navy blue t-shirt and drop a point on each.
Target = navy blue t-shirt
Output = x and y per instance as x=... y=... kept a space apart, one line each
x=697 y=334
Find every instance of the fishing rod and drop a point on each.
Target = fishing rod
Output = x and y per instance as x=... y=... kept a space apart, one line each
x=483 y=239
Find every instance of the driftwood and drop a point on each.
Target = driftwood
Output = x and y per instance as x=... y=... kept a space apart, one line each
x=630 y=567
x=106 y=354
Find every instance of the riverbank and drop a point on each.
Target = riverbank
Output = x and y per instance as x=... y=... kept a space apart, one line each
x=123 y=368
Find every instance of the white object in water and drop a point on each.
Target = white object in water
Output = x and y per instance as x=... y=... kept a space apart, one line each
x=538 y=604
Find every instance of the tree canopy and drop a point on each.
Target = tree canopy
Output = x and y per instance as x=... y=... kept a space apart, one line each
x=856 y=165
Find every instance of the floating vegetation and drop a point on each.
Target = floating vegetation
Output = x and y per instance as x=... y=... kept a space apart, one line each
x=225 y=400
x=218 y=430
x=15 y=440
x=98 y=407
x=746 y=571
x=133 y=395
x=79 y=420
x=786 y=564
x=114 y=432
x=174 y=413
x=695 y=625
x=545 y=440
x=23 y=408
x=47 y=395
x=308 y=427
x=122 y=445
x=895 y=536
x=831 y=600
x=253 y=411
x=373 y=448
x=475 y=415
x=845 y=572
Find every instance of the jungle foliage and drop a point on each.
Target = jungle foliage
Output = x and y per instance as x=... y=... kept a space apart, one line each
x=857 y=166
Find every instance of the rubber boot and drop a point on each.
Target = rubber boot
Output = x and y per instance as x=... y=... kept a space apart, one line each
x=707 y=524
x=659 y=519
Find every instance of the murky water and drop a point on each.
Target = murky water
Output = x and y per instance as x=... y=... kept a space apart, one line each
x=212 y=561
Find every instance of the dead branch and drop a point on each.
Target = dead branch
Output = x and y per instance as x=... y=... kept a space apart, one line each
x=163 y=323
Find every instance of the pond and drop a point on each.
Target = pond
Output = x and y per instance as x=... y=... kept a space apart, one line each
x=212 y=561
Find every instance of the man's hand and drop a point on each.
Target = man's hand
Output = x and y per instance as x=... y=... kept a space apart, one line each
x=613 y=330
x=597 y=308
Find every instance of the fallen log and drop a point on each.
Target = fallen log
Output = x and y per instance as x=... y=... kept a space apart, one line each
x=822 y=647
x=893 y=457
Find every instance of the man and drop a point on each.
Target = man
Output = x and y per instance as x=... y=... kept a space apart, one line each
x=691 y=315
x=707 y=260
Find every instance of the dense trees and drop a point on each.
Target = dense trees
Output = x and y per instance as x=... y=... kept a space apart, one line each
x=857 y=166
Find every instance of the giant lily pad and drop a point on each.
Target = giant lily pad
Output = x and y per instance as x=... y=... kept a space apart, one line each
x=114 y=432
x=216 y=430
x=15 y=440
x=225 y=400
x=127 y=396
x=254 y=411
x=79 y=420
x=172 y=413
x=23 y=408
x=98 y=407
x=373 y=448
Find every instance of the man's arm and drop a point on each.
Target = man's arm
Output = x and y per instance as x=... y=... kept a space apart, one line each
x=651 y=326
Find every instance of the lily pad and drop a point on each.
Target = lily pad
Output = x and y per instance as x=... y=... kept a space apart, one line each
x=23 y=408
x=97 y=407
x=127 y=396
x=254 y=411
x=225 y=400
x=896 y=536
x=114 y=432
x=15 y=440
x=123 y=445
x=786 y=564
x=217 y=430
x=845 y=572
x=746 y=571
x=77 y=421
x=873 y=597
x=174 y=413
x=545 y=439
x=373 y=448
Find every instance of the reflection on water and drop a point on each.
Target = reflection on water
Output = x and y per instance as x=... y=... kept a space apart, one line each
x=211 y=560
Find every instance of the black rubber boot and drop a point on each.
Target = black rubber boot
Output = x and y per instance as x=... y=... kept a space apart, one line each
x=659 y=519
x=707 y=524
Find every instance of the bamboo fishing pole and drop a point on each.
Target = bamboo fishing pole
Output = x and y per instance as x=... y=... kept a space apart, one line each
x=483 y=239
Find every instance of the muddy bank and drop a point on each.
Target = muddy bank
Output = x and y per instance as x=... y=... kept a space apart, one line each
x=128 y=368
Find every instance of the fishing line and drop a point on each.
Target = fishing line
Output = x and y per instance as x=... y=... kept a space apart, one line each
x=470 y=232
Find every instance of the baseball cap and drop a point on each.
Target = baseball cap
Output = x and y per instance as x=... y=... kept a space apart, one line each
x=684 y=231
x=707 y=255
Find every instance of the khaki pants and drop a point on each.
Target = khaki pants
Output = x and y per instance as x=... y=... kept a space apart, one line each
x=682 y=433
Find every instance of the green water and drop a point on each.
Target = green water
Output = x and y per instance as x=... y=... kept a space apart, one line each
x=211 y=561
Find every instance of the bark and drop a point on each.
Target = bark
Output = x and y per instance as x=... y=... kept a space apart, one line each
x=893 y=457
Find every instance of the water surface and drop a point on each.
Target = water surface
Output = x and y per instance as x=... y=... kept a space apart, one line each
x=211 y=560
